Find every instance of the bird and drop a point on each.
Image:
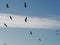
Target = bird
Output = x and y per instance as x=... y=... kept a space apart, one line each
x=30 y=32
x=25 y=4
x=5 y=24
x=10 y=17
x=7 y=5
x=5 y=44
x=56 y=30
x=39 y=39
x=26 y=19
x=57 y=33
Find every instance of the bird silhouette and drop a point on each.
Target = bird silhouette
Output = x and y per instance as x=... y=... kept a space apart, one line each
x=56 y=30
x=26 y=19
x=30 y=32
x=57 y=33
x=7 y=5
x=25 y=4
x=39 y=39
x=5 y=24
x=10 y=17
x=5 y=44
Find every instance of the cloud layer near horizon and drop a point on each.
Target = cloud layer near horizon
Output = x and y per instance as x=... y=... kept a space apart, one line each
x=33 y=22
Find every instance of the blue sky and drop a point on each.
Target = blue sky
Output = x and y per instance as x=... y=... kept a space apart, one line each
x=47 y=11
x=35 y=8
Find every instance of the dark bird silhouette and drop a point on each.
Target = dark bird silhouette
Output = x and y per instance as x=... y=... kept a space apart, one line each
x=7 y=5
x=5 y=44
x=10 y=17
x=25 y=4
x=26 y=19
x=56 y=30
x=5 y=24
x=39 y=39
x=57 y=33
x=30 y=32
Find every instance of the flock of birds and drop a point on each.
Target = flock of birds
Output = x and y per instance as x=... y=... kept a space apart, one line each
x=5 y=23
x=25 y=5
x=30 y=34
x=38 y=38
x=12 y=19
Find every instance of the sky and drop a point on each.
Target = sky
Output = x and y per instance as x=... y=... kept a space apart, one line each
x=43 y=19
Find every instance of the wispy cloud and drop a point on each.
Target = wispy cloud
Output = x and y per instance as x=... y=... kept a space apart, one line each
x=33 y=22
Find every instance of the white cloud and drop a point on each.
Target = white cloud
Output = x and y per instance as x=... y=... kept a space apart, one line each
x=33 y=22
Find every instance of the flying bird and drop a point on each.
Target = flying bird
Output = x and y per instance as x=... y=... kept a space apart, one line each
x=5 y=44
x=39 y=39
x=7 y=5
x=5 y=24
x=26 y=19
x=57 y=34
x=25 y=4
x=10 y=17
x=30 y=32
x=56 y=30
